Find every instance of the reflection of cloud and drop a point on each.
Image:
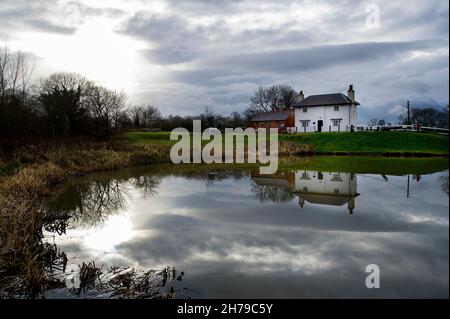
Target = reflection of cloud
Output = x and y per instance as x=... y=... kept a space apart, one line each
x=116 y=230
x=230 y=244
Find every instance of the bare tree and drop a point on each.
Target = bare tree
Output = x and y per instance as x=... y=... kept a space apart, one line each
x=64 y=81
x=4 y=65
x=26 y=71
x=260 y=100
x=137 y=114
x=15 y=73
x=274 y=98
x=118 y=105
x=151 y=116
x=105 y=107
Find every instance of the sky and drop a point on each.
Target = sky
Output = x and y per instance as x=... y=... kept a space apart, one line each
x=184 y=56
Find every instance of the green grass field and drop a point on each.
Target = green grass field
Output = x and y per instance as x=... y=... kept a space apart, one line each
x=374 y=142
x=367 y=143
x=147 y=137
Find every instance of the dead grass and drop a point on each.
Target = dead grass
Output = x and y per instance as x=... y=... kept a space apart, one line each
x=40 y=167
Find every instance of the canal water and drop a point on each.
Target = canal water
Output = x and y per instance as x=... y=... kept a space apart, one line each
x=238 y=234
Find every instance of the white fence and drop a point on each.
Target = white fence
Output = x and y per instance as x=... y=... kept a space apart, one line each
x=413 y=127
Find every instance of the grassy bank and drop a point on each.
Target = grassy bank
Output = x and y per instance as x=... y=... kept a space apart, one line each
x=374 y=143
x=360 y=143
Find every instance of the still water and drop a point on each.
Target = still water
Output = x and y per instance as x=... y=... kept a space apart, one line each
x=237 y=234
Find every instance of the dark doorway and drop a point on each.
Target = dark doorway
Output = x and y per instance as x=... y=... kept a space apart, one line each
x=319 y=126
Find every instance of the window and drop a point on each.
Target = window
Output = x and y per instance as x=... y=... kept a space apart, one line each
x=336 y=122
x=336 y=178
x=305 y=109
x=336 y=107
x=305 y=123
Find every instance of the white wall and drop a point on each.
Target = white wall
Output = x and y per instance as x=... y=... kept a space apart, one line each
x=347 y=114
x=344 y=183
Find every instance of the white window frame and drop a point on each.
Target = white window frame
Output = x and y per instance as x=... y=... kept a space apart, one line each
x=336 y=123
x=336 y=108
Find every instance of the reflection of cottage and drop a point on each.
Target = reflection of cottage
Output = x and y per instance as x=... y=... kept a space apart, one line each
x=284 y=121
x=336 y=189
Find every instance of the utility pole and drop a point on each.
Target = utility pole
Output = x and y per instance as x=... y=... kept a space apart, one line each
x=409 y=118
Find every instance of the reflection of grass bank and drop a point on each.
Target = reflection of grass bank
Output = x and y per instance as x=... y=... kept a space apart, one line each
x=367 y=165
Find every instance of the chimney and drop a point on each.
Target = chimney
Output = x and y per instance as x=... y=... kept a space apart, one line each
x=301 y=202
x=301 y=96
x=351 y=93
x=351 y=205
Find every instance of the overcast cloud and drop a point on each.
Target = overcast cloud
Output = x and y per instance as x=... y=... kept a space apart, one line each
x=183 y=56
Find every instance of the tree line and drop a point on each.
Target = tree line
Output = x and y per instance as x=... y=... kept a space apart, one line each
x=428 y=117
x=68 y=104
x=60 y=105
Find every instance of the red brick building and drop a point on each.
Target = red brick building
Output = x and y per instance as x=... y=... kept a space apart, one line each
x=284 y=121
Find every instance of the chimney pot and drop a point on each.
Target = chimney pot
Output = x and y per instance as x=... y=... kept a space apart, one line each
x=301 y=95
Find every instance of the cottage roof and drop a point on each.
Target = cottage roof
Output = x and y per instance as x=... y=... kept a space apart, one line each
x=271 y=116
x=324 y=100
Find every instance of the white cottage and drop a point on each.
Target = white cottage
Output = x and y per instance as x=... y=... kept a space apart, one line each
x=326 y=112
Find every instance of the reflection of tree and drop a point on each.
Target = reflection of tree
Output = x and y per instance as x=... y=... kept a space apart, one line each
x=443 y=180
x=274 y=194
x=90 y=204
x=102 y=198
x=148 y=185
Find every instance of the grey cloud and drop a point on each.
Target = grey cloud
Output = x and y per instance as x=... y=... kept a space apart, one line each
x=168 y=56
x=298 y=60
x=46 y=26
x=215 y=53
x=33 y=16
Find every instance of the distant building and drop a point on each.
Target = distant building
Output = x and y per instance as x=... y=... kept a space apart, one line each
x=284 y=121
x=326 y=113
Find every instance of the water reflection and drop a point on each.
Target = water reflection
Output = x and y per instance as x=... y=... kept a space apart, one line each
x=241 y=234
x=335 y=189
